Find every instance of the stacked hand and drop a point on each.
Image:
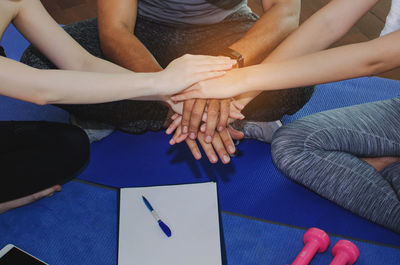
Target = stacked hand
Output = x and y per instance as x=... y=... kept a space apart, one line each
x=214 y=114
x=231 y=84
x=190 y=69
x=205 y=120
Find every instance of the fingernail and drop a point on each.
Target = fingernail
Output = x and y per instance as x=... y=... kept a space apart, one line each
x=203 y=128
x=214 y=159
x=192 y=136
x=220 y=128
x=208 y=139
x=197 y=156
x=242 y=116
x=231 y=149
x=168 y=131
x=185 y=129
x=226 y=159
x=172 y=142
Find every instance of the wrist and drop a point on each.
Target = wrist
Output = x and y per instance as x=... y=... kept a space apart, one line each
x=233 y=54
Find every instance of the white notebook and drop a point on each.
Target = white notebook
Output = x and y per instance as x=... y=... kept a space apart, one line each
x=190 y=211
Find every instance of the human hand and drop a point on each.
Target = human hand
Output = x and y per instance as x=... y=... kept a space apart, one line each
x=189 y=69
x=175 y=107
x=222 y=141
x=229 y=85
x=215 y=113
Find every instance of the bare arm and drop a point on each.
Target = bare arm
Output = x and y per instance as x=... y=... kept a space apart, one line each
x=317 y=33
x=71 y=86
x=322 y=29
x=350 y=61
x=33 y=21
x=280 y=18
x=64 y=86
x=116 y=20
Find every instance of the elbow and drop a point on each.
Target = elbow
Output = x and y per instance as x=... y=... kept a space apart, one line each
x=375 y=67
x=378 y=59
x=40 y=99
x=44 y=98
x=108 y=44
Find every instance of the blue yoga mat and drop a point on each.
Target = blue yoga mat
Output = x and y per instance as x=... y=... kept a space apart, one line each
x=79 y=226
x=250 y=185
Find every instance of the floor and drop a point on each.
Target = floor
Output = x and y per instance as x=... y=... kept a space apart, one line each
x=369 y=27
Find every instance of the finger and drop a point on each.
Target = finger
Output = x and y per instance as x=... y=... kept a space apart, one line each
x=224 y=114
x=228 y=142
x=187 y=112
x=179 y=136
x=204 y=115
x=193 y=148
x=203 y=127
x=235 y=134
x=195 y=118
x=236 y=115
x=238 y=105
x=175 y=124
x=218 y=145
x=173 y=117
x=212 y=119
x=208 y=149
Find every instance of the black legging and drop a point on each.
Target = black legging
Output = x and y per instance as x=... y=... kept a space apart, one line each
x=37 y=155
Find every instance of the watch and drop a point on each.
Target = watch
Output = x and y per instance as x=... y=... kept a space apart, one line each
x=233 y=55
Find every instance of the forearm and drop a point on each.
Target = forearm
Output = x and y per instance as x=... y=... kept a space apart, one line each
x=341 y=63
x=274 y=25
x=123 y=48
x=325 y=25
x=70 y=87
x=322 y=29
x=94 y=64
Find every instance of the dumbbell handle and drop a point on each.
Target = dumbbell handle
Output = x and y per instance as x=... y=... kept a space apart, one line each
x=306 y=254
x=340 y=259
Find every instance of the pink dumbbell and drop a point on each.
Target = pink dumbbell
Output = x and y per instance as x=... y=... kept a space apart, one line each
x=315 y=240
x=345 y=253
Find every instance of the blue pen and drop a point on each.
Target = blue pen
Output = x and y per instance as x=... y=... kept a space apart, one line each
x=162 y=225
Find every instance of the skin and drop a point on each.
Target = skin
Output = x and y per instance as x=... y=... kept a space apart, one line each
x=279 y=19
x=116 y=21
x=307 y=63
x=82 y=73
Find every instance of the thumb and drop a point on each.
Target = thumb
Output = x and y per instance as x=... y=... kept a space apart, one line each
x=235 y=134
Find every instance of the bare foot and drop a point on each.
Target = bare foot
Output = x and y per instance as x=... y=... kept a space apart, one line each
x=380 y=163
x=6 y=206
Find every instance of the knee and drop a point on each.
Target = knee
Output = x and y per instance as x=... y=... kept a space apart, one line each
x=73 y=143
x=290 y=149
x=77 y=142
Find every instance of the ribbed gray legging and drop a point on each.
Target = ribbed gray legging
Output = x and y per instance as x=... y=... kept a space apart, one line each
x=322 y=152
